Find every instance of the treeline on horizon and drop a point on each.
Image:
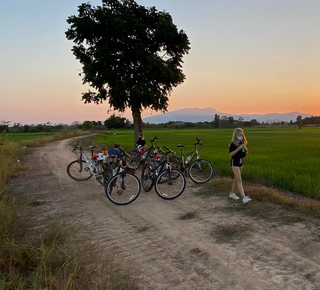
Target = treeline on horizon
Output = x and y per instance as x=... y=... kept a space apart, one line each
x=116 y=122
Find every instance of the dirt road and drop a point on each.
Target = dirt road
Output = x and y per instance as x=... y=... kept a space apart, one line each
x=219 y=248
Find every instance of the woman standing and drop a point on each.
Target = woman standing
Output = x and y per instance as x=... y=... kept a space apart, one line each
x=237 y=151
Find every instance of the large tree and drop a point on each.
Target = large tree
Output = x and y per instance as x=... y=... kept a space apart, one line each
x=131 y=55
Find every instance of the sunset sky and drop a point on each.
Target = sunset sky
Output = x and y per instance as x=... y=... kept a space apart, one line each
x=246 y=57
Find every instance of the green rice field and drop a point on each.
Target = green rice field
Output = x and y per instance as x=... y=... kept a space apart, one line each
x=286 y=158
x=17 y=137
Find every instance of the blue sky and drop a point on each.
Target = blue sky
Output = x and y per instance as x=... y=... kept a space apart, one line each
x=246 y=57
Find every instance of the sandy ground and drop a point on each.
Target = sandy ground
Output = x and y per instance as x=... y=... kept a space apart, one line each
x=220 y=248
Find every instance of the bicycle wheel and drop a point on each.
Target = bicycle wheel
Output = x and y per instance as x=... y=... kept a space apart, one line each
x=134 y=159
x=175 y=162
x=171 y=188
x=107 y=172
x=200 y=171
x=79 y=171
x=123 y=188
x=147 y=177
x=99 y=170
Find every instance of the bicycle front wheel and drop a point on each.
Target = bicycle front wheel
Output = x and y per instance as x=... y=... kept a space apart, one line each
x=170 y=188
x=200 y=171
x=147 y=177
x=79 y=170
x=99 y=173
x=123 y=188
x=175 y=162
x=134 y=159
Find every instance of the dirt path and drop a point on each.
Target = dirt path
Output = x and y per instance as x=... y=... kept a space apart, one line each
x=220 y=248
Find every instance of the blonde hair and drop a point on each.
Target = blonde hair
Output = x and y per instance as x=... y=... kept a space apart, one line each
x=236 y=132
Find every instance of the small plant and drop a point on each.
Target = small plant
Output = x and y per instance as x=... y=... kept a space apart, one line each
x=230 y=233
x=188 y=216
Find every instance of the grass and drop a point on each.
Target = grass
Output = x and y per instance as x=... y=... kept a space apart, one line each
x=286 y=158
x=39 y=138
x=265 y=202
x=18 y=137
x=9 y=153
x=50 y=259
x=47 y=258
x=280 y=157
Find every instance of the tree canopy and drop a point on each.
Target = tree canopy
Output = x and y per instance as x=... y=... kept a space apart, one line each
x=131 y=55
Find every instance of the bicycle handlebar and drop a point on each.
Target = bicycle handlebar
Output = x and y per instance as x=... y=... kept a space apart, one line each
x=170 y=151
x=159 y=149
x=198 y=142
x=75 y=146
x=155 y=138
x=124 y=153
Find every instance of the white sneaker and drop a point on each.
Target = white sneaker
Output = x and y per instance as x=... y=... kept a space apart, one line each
x=246 y=199
x=233 y=196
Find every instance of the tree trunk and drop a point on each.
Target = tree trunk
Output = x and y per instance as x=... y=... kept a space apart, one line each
x=137 y=124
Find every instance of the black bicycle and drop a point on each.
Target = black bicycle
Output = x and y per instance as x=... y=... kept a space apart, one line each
x=137 y=160
x=200 y=170
x=123 y=186
x=169 y=183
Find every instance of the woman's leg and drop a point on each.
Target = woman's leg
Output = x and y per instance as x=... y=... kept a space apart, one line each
x=238 y=180
x=234 y=186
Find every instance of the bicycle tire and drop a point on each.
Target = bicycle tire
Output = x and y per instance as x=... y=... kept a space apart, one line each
x=175 y=162
x=147 y=178
x=172 y=188
x=100 y=173
x=134 y=159
x=123 y=188
x=75 y=173
x=201 y=171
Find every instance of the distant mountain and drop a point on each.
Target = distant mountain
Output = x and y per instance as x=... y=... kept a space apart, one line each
x=195 y=115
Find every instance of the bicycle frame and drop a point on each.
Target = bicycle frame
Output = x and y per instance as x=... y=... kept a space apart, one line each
x=147 y=153
x=87 y=159
x=92 y=163
x=190 y=154
x=162 y=176
x=163 y=163
x=199 y=170
x=118 y=168
x=140 y=158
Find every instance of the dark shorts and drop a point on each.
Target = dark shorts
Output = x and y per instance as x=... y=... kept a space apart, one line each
x=237 y=163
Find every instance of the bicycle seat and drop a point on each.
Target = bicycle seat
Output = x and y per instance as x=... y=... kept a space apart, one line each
x=180 y=146
x=94 y=157
x=92 y=146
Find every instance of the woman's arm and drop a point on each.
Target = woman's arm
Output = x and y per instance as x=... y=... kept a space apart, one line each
x=234 y=152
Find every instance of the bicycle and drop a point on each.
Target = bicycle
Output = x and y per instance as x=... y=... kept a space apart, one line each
x=86 y=166
x=123 y=187
x=199 y=171
x=137 y=159
x=159 y=173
